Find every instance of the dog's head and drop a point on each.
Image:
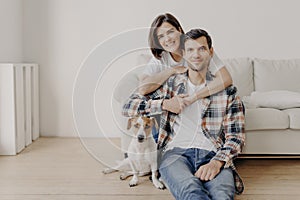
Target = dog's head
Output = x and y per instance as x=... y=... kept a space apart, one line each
x=142 y=127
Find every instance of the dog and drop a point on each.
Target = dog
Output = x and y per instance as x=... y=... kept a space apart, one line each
x=142 y=153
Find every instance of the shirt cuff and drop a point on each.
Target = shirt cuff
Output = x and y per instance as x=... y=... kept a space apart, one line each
x=221 y=156
x=154 y=107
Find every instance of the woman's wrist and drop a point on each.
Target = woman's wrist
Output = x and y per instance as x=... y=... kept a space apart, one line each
x=196 y=96
x=171 y=71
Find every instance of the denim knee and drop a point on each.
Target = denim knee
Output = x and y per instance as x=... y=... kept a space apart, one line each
x=191 y=189
x=183 y=188
x=224 y=192
x=222 y=187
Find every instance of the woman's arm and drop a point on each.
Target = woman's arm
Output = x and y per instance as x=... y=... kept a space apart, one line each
x=153 y=103
x=222 y=80
x=149 y=84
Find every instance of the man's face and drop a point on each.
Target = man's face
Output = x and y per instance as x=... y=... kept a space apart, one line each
x=197 y=53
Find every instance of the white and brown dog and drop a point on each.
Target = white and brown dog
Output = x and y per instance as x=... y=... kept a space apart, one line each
x=142 y=153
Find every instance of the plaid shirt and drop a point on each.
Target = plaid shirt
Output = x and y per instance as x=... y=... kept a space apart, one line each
x=222 y=115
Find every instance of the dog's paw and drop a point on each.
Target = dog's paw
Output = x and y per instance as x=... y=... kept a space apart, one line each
x=133 y=182
x=124 y=176
x=159 y=185
x=107 y=170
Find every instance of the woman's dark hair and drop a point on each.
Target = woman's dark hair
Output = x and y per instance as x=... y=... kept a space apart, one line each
x=195 y=34
x=155 y=47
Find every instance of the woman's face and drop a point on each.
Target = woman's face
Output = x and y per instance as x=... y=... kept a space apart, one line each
x=168 y=37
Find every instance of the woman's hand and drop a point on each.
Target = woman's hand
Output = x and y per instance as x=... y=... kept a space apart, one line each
x=175 y=104
x=188 y=100
x=179 y=69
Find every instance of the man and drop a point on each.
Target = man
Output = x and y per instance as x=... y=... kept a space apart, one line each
x=199 y=141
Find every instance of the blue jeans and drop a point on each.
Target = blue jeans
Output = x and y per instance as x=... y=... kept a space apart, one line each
x=155 y=134
x=177 y=170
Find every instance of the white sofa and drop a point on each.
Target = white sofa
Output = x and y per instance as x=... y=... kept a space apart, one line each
x=270 y=90
x=267 y=86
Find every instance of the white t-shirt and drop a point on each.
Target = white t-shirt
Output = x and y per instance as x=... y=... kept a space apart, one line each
x=157 y=65
x=187 y=126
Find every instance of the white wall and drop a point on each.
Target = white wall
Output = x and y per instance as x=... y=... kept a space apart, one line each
x=11 y=31
x=59 y=34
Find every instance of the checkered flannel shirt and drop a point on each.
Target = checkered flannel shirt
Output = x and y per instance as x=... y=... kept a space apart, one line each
x=222 y=115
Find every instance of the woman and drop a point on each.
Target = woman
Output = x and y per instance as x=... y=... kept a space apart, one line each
x=164 y=41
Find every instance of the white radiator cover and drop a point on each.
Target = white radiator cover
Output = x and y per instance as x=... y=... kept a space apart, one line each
x=19 y=106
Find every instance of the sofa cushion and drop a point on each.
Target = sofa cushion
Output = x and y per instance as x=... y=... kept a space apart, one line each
x=241 y=70
x=128 y=84
x=294 y=115
x=144 y=58
x=276 y=75
x=266 y=119
x=279 y=99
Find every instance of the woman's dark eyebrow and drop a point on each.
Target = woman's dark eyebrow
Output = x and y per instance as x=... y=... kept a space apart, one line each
x=171 y=29
x=160 y=35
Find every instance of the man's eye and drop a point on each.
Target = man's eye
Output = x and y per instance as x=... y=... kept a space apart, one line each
x=170 y=31
x=147 y=126
x=202 y=49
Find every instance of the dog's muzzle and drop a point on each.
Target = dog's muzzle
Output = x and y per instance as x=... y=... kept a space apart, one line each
x=140 y=138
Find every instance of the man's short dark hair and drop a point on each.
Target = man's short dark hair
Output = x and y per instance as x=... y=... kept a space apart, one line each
x=195 y=34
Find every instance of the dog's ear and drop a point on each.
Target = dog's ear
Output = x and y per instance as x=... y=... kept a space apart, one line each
x=129 y=123
x=154 y=123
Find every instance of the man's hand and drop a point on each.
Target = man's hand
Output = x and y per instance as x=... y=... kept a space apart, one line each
x=179 y=69
x=175 y=104
x=209 y=171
